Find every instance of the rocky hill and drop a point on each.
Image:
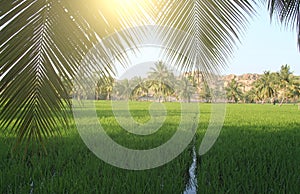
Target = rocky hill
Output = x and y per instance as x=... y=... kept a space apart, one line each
x=246 y=80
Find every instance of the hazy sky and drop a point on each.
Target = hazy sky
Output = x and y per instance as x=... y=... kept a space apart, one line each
x=264 y=46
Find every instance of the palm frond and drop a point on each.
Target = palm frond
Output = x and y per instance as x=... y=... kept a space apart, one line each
x=287 y=12
x=42 y=43
x=213 y=25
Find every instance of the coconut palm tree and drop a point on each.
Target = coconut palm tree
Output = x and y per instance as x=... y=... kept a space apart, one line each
x=252 y=95
x=104 y=87
x=43 y=42
x=285 y=81
x=205 y=92
x=233 y=91
x=124 y=89
x=294 y=91
x=266 y=86
x=140 y=87
x=161 y=80
x=185 y=89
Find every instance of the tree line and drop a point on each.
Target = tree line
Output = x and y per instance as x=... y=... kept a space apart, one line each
x=273 y=87
x=162 y=85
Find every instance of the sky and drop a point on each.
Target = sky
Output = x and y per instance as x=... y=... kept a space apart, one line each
x=264 y=46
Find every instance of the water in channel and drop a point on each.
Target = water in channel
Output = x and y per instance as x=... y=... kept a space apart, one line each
x=191 y=187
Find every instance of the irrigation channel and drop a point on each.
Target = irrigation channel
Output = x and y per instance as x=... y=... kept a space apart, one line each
x=191 y=186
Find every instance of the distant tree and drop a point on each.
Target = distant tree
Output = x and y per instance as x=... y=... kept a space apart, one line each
x=266 y=86
x=41 y=40
x=294 y=88
x=285 y=83
x=253 y=95
x=233 y=91
x=160 y=78
x=140 y=87
x=196 y=78
x=294 y=91
x=123 y=89
x=104 y=87
x=185 y=89
x=205 y=92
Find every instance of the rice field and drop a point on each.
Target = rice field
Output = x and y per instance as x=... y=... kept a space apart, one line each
x=258 y=151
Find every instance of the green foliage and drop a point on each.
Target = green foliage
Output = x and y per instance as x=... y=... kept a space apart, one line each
x=205 y=92
x=233 y=91
x=286 y=12
x=42 y=43
x=185 y=89
x=266 y=85
x=161 y=79
x=258 y=151
x=70 y=167
x=280 y=85
x=104 y=88
x=270 y=87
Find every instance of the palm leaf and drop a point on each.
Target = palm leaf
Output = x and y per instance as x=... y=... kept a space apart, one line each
x=42 y=43
x=214 y=25
x=287 y=12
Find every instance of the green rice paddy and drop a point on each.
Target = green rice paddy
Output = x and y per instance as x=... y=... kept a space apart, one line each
x=258 y=151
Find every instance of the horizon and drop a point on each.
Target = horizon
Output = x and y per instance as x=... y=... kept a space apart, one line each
x=142 y=70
